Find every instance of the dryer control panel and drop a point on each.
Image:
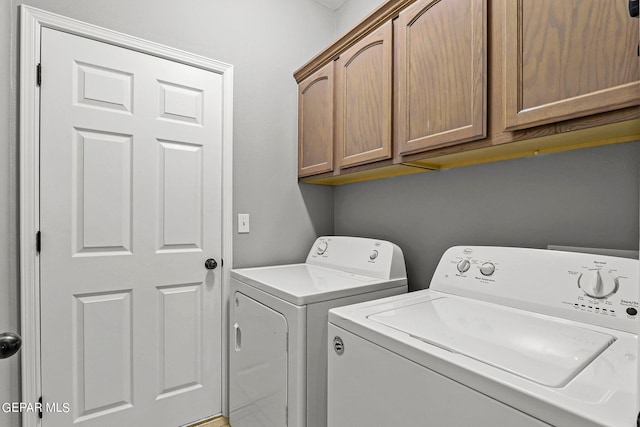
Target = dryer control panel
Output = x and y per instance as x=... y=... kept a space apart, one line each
x=369 y=257
x=600 y=290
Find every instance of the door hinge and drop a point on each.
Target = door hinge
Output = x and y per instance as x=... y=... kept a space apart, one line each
x=40 y=407
x=39 y=74
x=38 y=241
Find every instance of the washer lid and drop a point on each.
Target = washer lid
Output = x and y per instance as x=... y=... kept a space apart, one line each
x=302 y=284
x=538 y=348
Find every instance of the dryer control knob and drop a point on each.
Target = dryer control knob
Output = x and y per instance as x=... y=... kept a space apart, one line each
x=321 y=247
x=598 y=284
x=487 y=269
x=464 y=265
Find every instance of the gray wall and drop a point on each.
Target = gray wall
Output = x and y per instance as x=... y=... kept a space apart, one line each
x=351 y=12
x=586 y=198
x=9 y=379
x=265 y=41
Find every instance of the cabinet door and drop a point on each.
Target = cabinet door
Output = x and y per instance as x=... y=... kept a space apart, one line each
x=567 y=59
x=315 y=123
x=364 y=81
x=441 y=74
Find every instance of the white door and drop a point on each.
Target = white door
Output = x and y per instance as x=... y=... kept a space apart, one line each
x=130 y=209
x=257 y=365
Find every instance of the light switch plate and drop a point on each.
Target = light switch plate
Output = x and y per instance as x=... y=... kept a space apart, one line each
x=243 y=223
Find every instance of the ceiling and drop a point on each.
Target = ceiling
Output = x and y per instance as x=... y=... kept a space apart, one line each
x=331 y=4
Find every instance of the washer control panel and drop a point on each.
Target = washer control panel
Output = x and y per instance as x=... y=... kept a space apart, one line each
x=601 y=290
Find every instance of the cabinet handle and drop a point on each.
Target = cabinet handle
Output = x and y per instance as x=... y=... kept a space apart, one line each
x=633 y=8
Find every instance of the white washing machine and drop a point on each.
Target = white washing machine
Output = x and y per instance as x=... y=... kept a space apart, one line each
x=278 y=337
x=503 y=337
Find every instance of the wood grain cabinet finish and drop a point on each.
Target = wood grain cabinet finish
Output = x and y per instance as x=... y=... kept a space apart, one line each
x=364 y=99
x=315 y=122
x=441 y=74
x=568 y=59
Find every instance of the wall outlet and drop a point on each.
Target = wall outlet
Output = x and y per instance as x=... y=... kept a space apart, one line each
x=243 y=223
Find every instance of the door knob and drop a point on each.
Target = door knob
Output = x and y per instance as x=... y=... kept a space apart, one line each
x=211 y=264
x=9 y=344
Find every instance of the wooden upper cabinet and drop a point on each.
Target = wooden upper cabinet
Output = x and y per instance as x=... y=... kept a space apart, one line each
x=315 y=122
x=364 y=99
x=568 y=59
x=441 y=74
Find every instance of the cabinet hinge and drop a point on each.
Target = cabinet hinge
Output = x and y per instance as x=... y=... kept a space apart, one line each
x=633 y=8
x=39 y=74
x=40 y=407
x=38 y=241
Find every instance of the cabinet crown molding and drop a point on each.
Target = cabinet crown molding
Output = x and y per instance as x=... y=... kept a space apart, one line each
x=383 y=13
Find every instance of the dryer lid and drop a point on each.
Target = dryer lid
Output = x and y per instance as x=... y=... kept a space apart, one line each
x=302 y=284
x=541 y=349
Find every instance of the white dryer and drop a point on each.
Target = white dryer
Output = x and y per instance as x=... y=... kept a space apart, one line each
x=278 y=337
x=503 y=337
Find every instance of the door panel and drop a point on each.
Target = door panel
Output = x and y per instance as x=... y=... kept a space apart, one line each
x=103 y=87
x=180 y=349
x=103 y=372
x=181 y=103
x=258 y=365
x=180 y=195
x=130 y=210
x=102 y=192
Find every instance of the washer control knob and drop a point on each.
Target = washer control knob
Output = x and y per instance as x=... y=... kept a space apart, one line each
x=373 y=255
x=321 y=247
x=487 y=269
x=598 y=284
x=464 y=266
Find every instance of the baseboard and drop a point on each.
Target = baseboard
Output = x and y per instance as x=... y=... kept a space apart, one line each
x=218 y=421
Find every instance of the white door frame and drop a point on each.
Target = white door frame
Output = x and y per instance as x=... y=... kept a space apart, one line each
x=32 y=21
